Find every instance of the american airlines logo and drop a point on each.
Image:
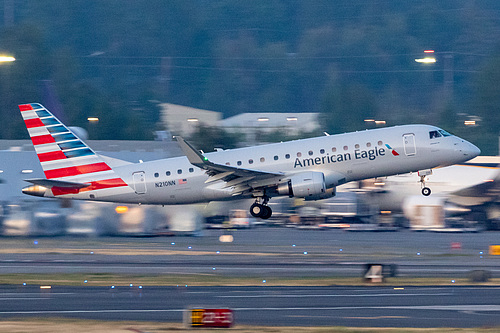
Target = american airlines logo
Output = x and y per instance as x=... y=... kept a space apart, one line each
x=370 y=154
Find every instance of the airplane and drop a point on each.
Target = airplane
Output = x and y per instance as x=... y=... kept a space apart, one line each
x=480 y=185
x=308 y=168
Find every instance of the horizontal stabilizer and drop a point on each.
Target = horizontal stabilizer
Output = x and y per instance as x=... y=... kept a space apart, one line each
x=48 y=183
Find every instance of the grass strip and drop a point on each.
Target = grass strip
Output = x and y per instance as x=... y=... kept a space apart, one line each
x=105 y=279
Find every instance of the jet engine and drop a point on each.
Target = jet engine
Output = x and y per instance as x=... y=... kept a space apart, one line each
x=309 y=185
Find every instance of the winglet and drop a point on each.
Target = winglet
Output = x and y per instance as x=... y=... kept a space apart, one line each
x=194 y=156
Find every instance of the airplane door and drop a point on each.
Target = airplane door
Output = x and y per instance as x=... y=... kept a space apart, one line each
x=409 y=144
x=139 y=182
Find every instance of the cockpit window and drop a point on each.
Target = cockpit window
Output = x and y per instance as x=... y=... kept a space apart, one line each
x=434 y=134
x=444 y=133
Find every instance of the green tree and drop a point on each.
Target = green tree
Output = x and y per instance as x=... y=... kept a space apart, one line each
x=345 y=108
x=487 y=105
x=207 y=138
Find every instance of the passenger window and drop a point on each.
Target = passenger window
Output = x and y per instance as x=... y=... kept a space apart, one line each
x=299 y=154
x=321 y=151
x=368 y=144
x=276 y=157
x=346 y=148
x=191 y=170
x=227 y=163
x=168 y=173
x=250 y=161
x=157 y=175
x=334 y=150
x=310 y=152
x=262 y=159
x=179 y=171
x=239 y=162
x=287 y=156
x=380 y=143
x=356 y=146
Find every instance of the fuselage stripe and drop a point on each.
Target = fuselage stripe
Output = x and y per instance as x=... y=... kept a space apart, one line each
x=97 y=185
x=76 y=170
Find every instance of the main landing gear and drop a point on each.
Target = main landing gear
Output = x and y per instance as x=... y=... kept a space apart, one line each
x=261 y=210
x=423 y=174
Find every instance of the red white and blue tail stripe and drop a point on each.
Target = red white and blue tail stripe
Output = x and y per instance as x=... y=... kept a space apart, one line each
x=64 y=157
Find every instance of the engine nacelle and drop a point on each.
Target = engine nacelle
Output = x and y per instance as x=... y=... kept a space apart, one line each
x=309 y=185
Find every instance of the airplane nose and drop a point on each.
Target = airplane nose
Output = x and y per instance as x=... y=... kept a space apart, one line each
x=471 y=150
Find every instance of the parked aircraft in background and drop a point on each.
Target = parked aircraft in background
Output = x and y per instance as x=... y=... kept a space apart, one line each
x=468 y=184
x=470 y=190
x=309 y=168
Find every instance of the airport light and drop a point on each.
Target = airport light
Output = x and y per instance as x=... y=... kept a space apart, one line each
x=7 y=59
x=193 y=120
x=470 y=123
x=121 y=209
x=291 y=119
x=426 y=60
x=263 y=119
x=93 y=119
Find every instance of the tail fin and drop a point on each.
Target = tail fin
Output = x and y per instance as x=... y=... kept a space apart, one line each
x=65 y=157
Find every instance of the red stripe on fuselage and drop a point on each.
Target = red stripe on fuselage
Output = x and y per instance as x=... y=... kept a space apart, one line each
x=25 y=107
x=97 y=185
x=34 y=122
x=42 y=139
x=51 y=156
x=76 y=170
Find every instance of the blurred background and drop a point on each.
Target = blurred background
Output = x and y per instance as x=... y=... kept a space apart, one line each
x=234 y=73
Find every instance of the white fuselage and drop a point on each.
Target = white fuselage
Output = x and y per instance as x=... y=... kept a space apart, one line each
x=341 y=158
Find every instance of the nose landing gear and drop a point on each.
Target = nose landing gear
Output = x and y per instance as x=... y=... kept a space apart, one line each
x=423 y=175
x=261 y=210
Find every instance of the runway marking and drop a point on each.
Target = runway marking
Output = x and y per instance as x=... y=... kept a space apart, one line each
x=89 y=311
x=35 y=294
x=21 y=298
x=333 y=295
x=379 y=317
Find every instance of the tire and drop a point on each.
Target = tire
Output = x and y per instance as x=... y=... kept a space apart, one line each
x=426 y=191
x=266 y=212
x=256 y=210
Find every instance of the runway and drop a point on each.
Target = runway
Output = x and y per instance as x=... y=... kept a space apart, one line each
x=276 y=306
x=259 y=255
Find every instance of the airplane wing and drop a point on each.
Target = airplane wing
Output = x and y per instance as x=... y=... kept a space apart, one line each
x=240 y=178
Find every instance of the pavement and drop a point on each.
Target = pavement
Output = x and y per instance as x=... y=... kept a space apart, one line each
x=263 y=255
x=264 y=306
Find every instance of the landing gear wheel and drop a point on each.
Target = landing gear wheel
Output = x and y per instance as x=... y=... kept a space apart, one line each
x=256 y=210
x=426 y=191
x=266 y=212
x=262 y=211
